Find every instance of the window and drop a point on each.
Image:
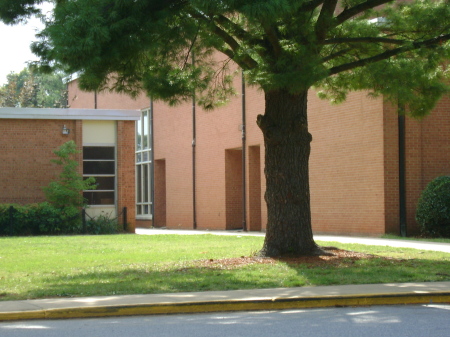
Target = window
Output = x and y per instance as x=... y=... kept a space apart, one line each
x=99 y=162
x=144 y=166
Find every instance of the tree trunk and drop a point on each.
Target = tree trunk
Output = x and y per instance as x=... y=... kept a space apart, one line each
x=287 y=147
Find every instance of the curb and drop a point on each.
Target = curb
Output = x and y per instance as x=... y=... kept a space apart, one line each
x=229 y=305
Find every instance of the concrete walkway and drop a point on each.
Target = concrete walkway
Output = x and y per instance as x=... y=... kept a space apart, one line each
x=436 y=246
x=255 y=299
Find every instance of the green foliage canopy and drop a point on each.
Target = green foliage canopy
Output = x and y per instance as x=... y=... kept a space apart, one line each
x=31 y=89
x=394 y=48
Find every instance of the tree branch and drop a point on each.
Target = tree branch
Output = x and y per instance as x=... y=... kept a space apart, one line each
x=364 y=40
x=335 y=55
x=309 y=6
x=244 y=61
x=237 y=30
x=324 y=21
x=351 y=12
x=272 y=37
x=388 y=54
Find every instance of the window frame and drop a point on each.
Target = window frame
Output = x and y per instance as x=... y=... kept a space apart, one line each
x=99 y=175
x=144 y=167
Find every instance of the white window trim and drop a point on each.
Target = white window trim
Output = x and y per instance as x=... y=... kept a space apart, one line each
x=145 y=166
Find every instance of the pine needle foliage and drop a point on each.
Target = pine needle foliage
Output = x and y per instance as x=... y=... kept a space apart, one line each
x=397 y=49
x=175 y=49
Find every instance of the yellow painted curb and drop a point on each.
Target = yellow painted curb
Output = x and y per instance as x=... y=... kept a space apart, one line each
x=231 y=305
x=24 y=315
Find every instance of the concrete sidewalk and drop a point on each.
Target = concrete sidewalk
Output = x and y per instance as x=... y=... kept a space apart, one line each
x=255 y=299
x=238 y=300
x=424 y=245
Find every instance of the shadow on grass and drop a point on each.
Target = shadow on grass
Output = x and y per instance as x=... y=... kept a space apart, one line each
x=190 y=278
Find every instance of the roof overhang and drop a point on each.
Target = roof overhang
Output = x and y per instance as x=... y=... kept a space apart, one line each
x=70 y=114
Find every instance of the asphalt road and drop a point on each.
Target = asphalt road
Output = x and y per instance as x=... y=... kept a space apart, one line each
x=385 y=321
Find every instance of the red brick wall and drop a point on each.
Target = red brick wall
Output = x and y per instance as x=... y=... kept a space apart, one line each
x=126 y=171
x=79 y=99
x=353 y=165
x=391 y=169
x=428 y=155
x=160 y=204
x=217 y=131
x=346 y=166
x=26 y=147
x=173 y=144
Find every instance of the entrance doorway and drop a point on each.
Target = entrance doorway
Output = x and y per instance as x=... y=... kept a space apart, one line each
x=233 y=188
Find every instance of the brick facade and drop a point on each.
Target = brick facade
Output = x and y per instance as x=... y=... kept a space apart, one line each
x=27 y=145
x=26 y=148
x=126 y=172
x=354 y=165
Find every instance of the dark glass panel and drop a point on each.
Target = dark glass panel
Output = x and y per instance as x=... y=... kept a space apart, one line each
x=139 y=183
x=99 y=198
x=105 y=183
x=98 y=167
x=145 y=182
x=98 y=152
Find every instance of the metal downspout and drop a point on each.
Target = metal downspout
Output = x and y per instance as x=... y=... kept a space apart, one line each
x=194 y=135
x=152 y=164
x=244 y=181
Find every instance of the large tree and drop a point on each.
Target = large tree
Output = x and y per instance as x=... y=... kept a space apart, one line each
x=30 y=89
x=397 y=49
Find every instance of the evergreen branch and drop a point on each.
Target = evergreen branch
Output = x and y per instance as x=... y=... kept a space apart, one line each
x=190 y=49
x=244 y=61
x=227 y=52
x=237 y=30
x=324 y=21
x=336 y=55
x=358 y=9
x=311 y=5
x=272 y=37
x=388 y=54
x=227 y=38
x=364 y=40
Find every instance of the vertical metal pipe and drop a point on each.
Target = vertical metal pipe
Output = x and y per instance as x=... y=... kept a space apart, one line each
x=194 y=135
x=244 y=144
x=11 y=220
x=124 y=219
x=152 y=163
x=402 y=171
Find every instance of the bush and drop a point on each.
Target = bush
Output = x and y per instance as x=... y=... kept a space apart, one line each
x=66 y=193
x=102 y=224
x=36 y=219
x=433 y=209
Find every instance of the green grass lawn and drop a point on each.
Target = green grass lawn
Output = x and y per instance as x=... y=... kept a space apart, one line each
x=396 y=237
x=41 y=267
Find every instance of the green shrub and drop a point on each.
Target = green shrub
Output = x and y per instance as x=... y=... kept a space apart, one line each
x=102 y=224
x=36 y=219
x=433 y=209
x=66 y=193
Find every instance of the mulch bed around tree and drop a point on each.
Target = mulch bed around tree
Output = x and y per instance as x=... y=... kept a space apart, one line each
x=337 y=257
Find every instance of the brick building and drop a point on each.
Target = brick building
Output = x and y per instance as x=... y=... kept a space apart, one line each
x=29 y=136
x=367 y=167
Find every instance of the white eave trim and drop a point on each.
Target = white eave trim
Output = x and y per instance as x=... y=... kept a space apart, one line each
x=70 y=114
